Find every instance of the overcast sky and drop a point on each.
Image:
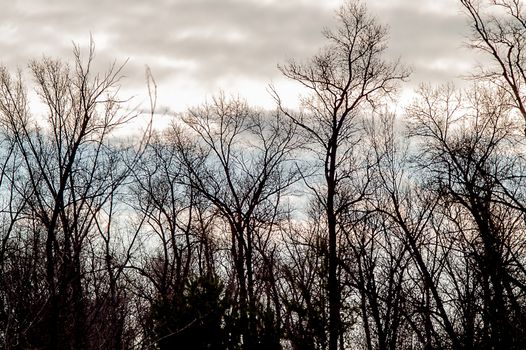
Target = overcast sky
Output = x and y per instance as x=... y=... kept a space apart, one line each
x=197 y=47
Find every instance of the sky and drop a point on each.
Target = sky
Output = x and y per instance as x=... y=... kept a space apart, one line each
x=196 y=48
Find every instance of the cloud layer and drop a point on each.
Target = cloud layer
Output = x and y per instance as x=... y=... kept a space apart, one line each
x=195 y=47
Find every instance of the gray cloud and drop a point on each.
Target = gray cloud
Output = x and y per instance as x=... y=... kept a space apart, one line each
x=203 y=43
x=432 y=43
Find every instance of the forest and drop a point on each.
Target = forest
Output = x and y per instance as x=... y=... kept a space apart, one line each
x=341 y=224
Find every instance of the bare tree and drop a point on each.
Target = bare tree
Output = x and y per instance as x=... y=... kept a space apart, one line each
x=468 y=143
x=498 y=31
x=347 y=75
x=179 y=252
x=240 y=160
x=72 y=172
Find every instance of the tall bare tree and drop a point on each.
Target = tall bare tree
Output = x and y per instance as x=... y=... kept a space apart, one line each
x=349 y=74
x=469 y=152
x=72 y=171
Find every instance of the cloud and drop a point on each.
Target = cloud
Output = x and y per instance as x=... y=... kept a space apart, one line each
x=199 y=46
x=429 y=36
x=202 y=40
